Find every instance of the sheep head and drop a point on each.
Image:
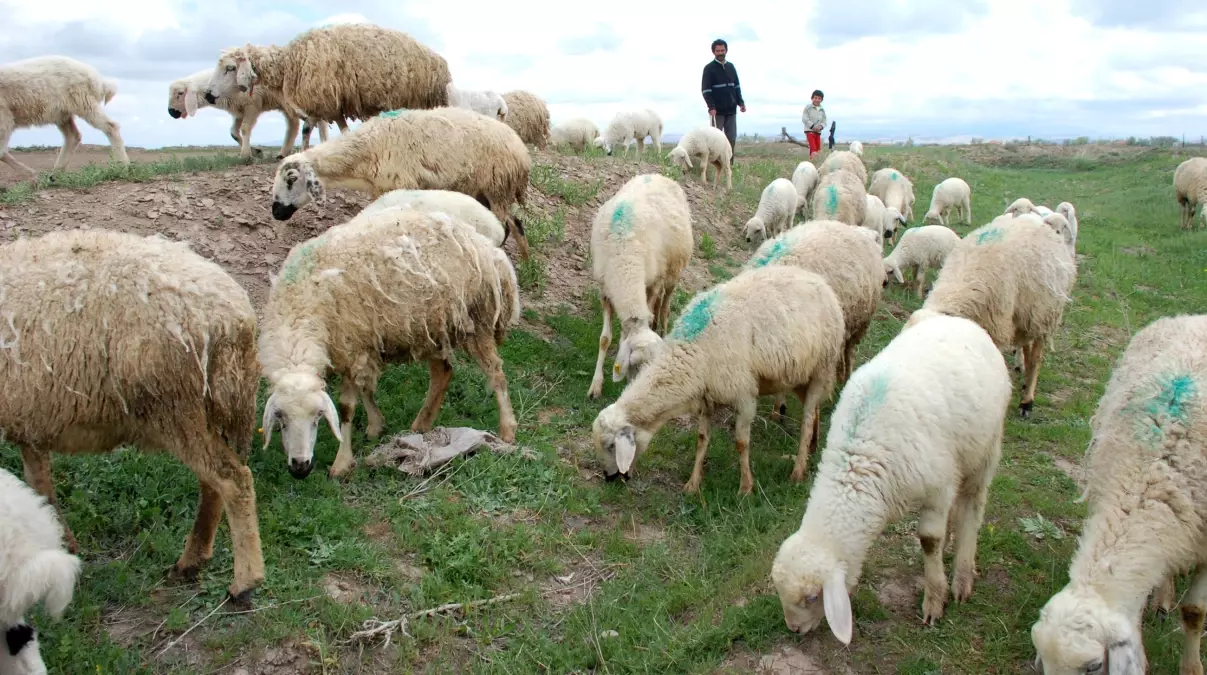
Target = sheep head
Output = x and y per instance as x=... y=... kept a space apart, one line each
x=1079 y=634
x=298 y=401
x=617 y=442
x=637 y=347
x=234 y=72
x=933 y=216
x=601 y=143
x=755 y=227
x=182 y=100
x=21 y=655
x=296 y=185
x=892 y=271
x=892 y=221
x=812 y=583
x=680 y=159
x=1021 y=206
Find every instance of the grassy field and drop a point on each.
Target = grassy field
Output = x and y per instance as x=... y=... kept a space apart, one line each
x=636 y=577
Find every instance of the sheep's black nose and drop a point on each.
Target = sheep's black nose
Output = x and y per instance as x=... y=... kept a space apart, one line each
x=281 y=211
x=210 y=98
x=300 y=468
x=610 y=477
x=174 y=113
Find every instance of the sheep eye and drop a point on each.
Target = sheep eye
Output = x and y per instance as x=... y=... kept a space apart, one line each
x=1095 y=667
x=811 y=599
x=229 y=68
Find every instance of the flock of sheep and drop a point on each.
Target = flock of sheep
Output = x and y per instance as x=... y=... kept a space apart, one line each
x=111 y=339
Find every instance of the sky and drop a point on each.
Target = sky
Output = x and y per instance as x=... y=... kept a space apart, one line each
x=891 y=69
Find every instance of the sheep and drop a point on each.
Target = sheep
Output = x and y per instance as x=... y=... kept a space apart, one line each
x=394 y=286
x=457 y=205
x=1064 y=229
x=629 y=126
x=951 y=193
x=1014 y=277
x=528 y=115
x=1190 y=189
x=187 y=95
x=919 y=427
x=840 y=196
x=485 y=102
x=1144 y=480
x=35 y=569
x=55 y=90
x=895 y=190
x=641 y=241
x=707 y=145
x=1066 y=209
x=921 y=248
x=337 y=72
x=772 y=329
x=856 y=148
x=881 y=220
x=442 y=149
x=112 y=339
x=805 y=178
x=777 y=207
x=1022 y=206
x=844 y=160
x=577 y=132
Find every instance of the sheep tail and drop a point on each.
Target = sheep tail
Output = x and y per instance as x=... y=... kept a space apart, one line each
x=109 y=88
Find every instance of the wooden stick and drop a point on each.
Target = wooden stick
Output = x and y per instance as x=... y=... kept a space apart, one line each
x=785 y=138
x=399 y=625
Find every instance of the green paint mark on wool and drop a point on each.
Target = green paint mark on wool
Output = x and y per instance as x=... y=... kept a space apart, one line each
x=696 y=317
x=993 y=234
x=649 y=179
x=871 y=399
x=832 y=199
x=622 y=219
x=894 y=176
x=771 y=251
x=1172 y=402
x=392 y=113
x=301 y=263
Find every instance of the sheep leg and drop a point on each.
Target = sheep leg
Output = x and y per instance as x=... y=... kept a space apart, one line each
x=1164 y=595
x=292 y=123
x=98 y=119
x=10 y=160
x=746 y=410
x=37 y=476
x=199 y=545
x=71 y=140
x=920 y=280
x=322 y=132
x=966 y=517
x=668 y=294
x=441 y=372
x=703 y=435
x=967 y=208
x=605 y=341
x=342 y=124
x=482 y=348
x=345 y=461
x=1034 y=357
x=368 y=398
x=249 y=123
x=810 y=396
x=932 y=530
x=236 y=124
x=1193 y=606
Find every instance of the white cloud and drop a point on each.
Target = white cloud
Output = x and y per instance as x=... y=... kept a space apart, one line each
x=890 y=68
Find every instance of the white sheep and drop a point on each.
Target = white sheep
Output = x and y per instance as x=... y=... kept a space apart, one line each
x=1064 y=229
x=35 y=569
x=881 y=220
x=456 y=204
x=805 y=178
x=55 y=90
x=705 y=145
x=629 y=126
x=777 y=207
x=894 y=189
x=849 y=161
x=1190 y=189
x=951 y=194
x=641 y=241
x=772 y=329
x=1145 y=477
x=1066 y=209
x=921 y=248
x=1022 y=206
x=577 y=132
x=484 y=102
x=856 y=148
x=840 y=196
x=917 y=428
x=393 y=286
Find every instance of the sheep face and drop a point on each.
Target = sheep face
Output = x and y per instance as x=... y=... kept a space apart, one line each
x=933 y=216
x=295 y=186
x=617 y=442
x=812 y=584
x=233 y=72
x=635 y=351
x=1020 y=207
x=1078 y=634
x=601 y=143
x=892 y=221
x=182 y=101
x=755 y=227
x=21 y=655
x=297 y=403
x=892 y=271
x=680 y=159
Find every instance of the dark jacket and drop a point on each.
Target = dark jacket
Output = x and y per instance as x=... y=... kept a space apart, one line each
x=721 y=88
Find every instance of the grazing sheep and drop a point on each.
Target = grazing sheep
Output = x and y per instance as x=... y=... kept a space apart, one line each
x=442 y=149
x=35 y=569
x=641 y=240
x=917 y=428
x=1145 y=478
x=578 y=133
x=338 y=72
x=708 y=145
x=881 y=220
x=484 y=102
x=1014 y=277
x=856 y=148
x=895 y=190
x=1022 y=206
x=921 y=248
x=528 y=115
x=395 y=286
x=844 y=160
x=1190 y=189
x=805 y=178
x=840 y=196
x=777 y=207
x=456 y=204
x=112 y=339
x=952 y=193
x=767 y=330
x=632 y=125
x=55 y=90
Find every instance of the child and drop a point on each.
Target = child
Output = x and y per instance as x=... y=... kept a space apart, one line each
x=814 y=119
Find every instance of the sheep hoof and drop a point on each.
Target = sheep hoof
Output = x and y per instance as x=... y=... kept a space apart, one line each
x=241 y=601
x=1024 y=409
x=187 y=575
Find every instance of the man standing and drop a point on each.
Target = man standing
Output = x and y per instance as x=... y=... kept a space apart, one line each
x=814 y=120
x=722 y=91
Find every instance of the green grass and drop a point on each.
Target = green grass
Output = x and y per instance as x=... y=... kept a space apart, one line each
x=684 y=581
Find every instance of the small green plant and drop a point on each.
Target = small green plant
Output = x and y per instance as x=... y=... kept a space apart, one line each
x=531 y=274
x=1041 y=528
x=541 y=228
x=708 y=246
x=548 y=179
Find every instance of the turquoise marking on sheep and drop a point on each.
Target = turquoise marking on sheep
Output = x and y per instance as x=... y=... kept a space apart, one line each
x=1172 y=403
x=648 y=179
x=622 y=219
x=696 y=317
x=392 y=113
x=992 y=235
x=873 y=397
x=771 y=252
x=832 y=199
x=894 y=176
x=301 y=263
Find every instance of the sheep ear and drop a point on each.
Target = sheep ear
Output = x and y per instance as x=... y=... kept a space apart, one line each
x=898 y=276
x=1124 y=658
x=270 y=412
x=313 y=185
x=626 y=449
x=332 y=417
x=190 y=102
x=837 y=605
x=688 y=159
x=620 y=368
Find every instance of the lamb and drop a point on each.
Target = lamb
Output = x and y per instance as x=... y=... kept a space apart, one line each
x=707 y=145
x=840 y=196
x=856 y=148
x=443 y=149
x=777 y=207
x=951 y=194
x=55 y=90
x=917 y=428
x=1144 y=480
x=577 y=132
x=337 y=72
x=485 y=102
x=1063 y=229
x=528 y=115
x=805 y=178
x=35 y=569
x=112 y=339
x=1014 y=277
x=895 y=190
x=641 y=241
x=1190 y=189
x=844 y=160
x=881 y=220
x=772 y=329
x=1022 y=206
x=629 y=126
x=921 y=248
x=1066 y=209
x=457 y=205
x=393 y=286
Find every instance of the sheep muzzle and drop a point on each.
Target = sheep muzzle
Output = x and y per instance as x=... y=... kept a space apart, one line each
x=174 y=113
